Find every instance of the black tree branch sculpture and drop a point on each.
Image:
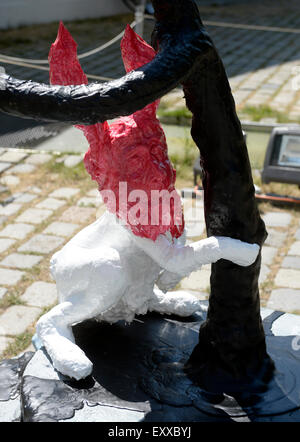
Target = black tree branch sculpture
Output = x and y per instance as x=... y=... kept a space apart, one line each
x=231 y=343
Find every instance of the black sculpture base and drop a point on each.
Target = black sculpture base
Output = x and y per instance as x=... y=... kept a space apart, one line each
x=139 y=375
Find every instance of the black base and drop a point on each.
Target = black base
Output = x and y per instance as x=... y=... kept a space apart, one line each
x=141 y=367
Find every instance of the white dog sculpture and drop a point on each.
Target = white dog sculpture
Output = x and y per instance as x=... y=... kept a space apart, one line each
x=113 y=270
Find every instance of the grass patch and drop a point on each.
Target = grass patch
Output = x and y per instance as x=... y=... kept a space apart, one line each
x=20 y=343
x=257 y=113
x=11 y=299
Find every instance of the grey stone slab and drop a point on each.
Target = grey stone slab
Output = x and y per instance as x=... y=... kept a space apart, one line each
x=34 y=216
x=10 y=277
x=40 y=294
x=50 y=203
x=17 y=230
x=88 y=201
x=264 y=272
x=265 y=312
x=277 y=219
x=275 y=238
x=61 y=229
x=4 y=342
x=64 y=192
x=199 y=280
x=20 y=261
x=6 y=244
x=72 y=160
x=38 y=158
x=22 y=169
x=268 y=254
x=295 y=249
x=3 y=219
x=94 y=193
x=75 y=214
x=41 y=244
x=286 y=325
x=3 y=290
x=17 y=318
x=4 y=166
x=10 y=180
x=12 y=156
x=25 y=198
x=291 y=262
x=297 y=234
x=288 y=278
x=10 y=209
x=286 y=300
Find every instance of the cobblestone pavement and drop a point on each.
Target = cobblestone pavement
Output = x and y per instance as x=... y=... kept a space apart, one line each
x=40 y=215
x=259 y=43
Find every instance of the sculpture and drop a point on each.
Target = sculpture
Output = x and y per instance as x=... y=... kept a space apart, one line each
x=232 y=339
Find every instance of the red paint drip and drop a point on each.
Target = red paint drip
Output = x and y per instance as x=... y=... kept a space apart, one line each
x=131 y=150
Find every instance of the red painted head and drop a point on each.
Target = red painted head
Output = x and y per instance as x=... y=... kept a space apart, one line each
x=127 y=158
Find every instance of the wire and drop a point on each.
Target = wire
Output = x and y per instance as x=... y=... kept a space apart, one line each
x=80 y=56
x=43 y=68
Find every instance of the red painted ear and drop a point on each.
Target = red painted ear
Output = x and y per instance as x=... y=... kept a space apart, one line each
x=135 y=51
x=64 y=65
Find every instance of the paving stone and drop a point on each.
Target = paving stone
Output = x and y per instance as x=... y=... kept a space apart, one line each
x=61 y=229
x=4 y=166
x=12 y=156
x=264 y=272
x=20 y=261
x=10 y=180
x=295 y=249
x=268 y=254
x=17 y=230
x=50 y=203
x=199 y=280
x=72 y=160
x=10 y=277
x=291 y=262
x=5 y=244
x=94 y=193
x=3 y=290
x=25 y=198
x=297 y=234
x=40 y=294
x=34 y=189
x=87 y=201
x=277 y=219
x=275 y=238
x=286 y=300
x=3 y=219
x=17 y=318
x=288 y=278
x=64 y=192
x=22 y=169
x=4 y=343
x=34 y=216
x=75 y=214
x=10 y=209
x=41 y=244
x=38 y=158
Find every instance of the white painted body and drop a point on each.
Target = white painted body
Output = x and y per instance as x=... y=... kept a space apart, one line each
x=108 y=273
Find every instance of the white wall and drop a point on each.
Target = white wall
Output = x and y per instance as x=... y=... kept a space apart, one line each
x=15 y=13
